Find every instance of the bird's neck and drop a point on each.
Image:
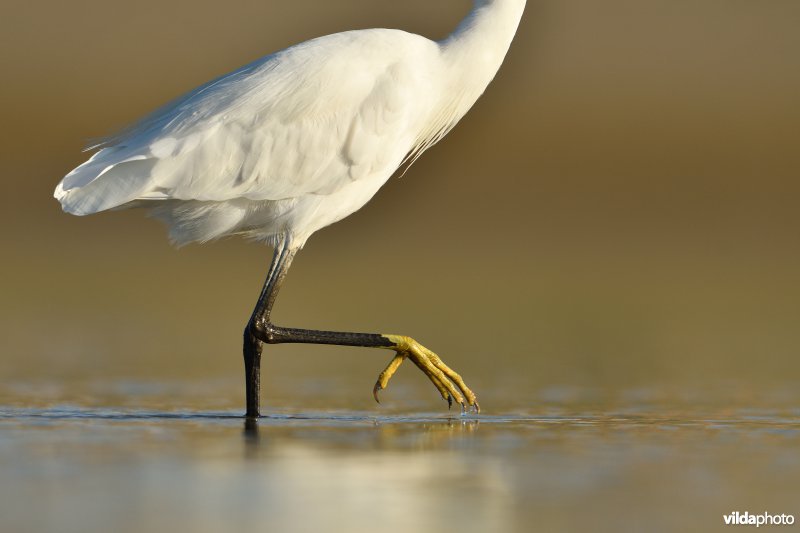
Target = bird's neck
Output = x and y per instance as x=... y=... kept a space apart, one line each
x=476 y=49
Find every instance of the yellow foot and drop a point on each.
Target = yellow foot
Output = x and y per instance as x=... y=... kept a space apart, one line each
x=447 y=381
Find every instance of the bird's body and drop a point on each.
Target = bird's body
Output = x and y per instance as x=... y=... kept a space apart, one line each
x=299 y=139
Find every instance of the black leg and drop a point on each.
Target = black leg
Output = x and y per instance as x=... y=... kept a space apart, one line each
x=260 y=330
x=272 y=334
x=252 y=345
x=252 y=371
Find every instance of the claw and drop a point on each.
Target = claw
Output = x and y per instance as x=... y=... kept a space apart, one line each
x=386 y=375
x=439 y=380
x=448 y=382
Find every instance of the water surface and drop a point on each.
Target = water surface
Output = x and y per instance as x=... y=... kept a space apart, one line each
x=576 y=461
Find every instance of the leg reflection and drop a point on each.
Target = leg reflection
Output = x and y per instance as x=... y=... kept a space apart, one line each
x=250 y=434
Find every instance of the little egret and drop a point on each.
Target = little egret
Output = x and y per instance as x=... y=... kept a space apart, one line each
x=293 y=142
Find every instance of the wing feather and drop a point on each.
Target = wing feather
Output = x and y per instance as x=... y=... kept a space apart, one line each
x=306 y=120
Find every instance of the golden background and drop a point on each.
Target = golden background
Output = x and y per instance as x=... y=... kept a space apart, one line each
x=618 y=210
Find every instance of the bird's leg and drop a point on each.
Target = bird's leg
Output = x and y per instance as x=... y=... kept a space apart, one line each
x=260 y=329
x=252 y=371
x=281 y=261
x=449 y=383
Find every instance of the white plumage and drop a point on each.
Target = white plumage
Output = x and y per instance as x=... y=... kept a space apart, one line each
x=298 y=139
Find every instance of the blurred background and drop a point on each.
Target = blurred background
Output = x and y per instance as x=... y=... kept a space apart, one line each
x=619 y=210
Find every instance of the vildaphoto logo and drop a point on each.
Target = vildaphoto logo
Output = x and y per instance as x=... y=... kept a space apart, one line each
x=765 y=519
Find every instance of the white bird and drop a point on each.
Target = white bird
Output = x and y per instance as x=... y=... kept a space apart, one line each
x=293 y=142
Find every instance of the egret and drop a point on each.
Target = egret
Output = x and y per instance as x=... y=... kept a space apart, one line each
x=293 y=142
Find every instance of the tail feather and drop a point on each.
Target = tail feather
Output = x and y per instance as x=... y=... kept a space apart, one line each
x=96 y=186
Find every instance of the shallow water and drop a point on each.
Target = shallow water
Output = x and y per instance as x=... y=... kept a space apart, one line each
x=578 y=460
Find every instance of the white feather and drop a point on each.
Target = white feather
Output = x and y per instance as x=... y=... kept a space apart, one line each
x=298 y=139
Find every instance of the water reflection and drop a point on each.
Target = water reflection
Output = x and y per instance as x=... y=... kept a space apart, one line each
x=68 y=467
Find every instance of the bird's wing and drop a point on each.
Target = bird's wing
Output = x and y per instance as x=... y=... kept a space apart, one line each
x=306 y=120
